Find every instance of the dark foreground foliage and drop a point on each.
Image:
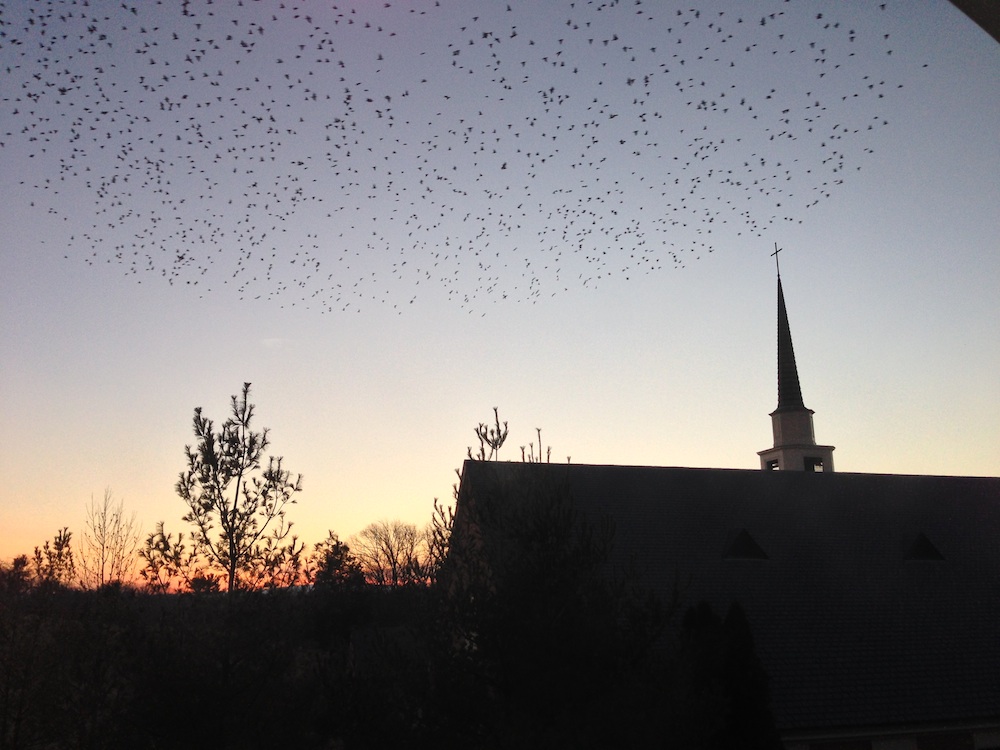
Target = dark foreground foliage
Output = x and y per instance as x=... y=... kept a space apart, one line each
x=525 y=641
x=365 y=669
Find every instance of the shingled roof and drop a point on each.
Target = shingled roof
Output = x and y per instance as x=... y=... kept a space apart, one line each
x=874 y=599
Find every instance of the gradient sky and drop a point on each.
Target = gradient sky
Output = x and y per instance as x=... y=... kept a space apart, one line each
x=390 y=218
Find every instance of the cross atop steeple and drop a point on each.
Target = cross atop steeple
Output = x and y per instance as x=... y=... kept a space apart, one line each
x=795 y=446
x=776 y=266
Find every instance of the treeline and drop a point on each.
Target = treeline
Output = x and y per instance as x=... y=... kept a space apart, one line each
x=384 y=553
x=238 y=535
x=504 y=626
x=525 y=646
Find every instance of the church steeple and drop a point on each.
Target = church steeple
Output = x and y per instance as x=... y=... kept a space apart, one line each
x=795 y=446
x=789 y=390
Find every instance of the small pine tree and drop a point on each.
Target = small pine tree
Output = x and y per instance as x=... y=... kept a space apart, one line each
x=53 y=564
x=236 y=505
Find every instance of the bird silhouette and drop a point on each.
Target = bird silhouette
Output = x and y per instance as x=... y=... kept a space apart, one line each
x=373 y=153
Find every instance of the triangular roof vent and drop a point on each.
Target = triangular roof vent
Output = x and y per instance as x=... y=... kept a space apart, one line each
x=923 y=549
x=744 y=547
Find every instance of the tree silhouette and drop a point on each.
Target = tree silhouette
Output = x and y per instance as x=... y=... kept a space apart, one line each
x=566 y=649
x=439 y=537
x=232 y=501
x=16 y=577
x=492 y=437
x=334 y=566
x=110 y=539
x=168 y=562
x=54 y=563
x=392 y=553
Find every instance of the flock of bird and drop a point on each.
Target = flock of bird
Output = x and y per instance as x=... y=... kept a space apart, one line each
x=331 y=154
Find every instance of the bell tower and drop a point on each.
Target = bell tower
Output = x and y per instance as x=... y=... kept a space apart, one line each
x=795 y=446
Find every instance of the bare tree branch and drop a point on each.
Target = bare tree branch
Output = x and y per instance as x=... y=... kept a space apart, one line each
x=110 y=539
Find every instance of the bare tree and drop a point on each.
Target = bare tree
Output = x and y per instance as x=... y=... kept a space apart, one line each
x=110 y=539
x=232 y=501
x=530 y=456
x=490 y=437
x=494 y=437
x=392 y=553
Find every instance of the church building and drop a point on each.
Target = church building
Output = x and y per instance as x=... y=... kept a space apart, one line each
x=873 y=599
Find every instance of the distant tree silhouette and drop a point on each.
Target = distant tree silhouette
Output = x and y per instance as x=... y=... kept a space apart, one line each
x=170 y=562
x=277 y=565
x=16 y=577
x=333 y=565
x=236 y=506
x=53 y=564
x=110 y=538
x=392 y=553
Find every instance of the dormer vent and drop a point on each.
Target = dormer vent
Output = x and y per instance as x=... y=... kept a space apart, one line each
x=923 y=549
x=744 y=547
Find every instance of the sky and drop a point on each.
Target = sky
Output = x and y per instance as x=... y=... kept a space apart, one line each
x=391 y=218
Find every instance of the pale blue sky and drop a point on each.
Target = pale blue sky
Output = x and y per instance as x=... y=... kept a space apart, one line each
x=891 y=282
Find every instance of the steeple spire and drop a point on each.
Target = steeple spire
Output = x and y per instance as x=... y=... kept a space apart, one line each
x=789 y=390
x=795 y=446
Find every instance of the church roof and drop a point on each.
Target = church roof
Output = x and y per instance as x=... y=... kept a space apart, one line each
x=874 y=599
